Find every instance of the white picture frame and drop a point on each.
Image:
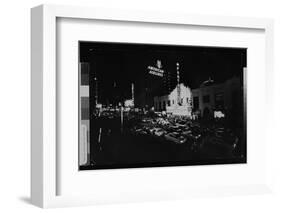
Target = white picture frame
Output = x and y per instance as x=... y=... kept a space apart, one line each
x=44 y=150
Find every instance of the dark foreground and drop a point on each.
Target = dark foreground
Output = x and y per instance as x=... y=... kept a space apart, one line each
x=146 y=141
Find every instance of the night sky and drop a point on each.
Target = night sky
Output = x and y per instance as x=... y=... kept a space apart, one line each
x=117 y=65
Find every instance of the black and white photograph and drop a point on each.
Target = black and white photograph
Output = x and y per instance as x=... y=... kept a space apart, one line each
x=155 y=105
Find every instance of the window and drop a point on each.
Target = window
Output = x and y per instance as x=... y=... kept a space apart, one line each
x=206 y=99
x=195 y=103
x=169 y=103
x=186 y=100
x=219 y=102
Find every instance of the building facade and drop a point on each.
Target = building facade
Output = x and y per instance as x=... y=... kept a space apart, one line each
x=178 y=102
x=211 y=97
x=206 y=100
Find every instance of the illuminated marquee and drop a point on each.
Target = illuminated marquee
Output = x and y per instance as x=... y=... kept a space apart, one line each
x=156 y=70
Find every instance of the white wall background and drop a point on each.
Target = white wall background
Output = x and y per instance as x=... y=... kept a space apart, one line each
x=15 y=104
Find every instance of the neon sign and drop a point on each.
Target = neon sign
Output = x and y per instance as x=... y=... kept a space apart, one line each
x=156 y=70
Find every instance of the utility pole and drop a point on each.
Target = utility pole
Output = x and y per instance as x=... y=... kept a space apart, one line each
x=96 y=90
x=133 y=94
x=121 y=117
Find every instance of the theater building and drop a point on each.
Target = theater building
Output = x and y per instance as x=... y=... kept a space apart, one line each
x=178 y=102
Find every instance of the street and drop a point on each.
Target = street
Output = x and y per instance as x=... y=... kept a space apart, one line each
x=154 y=140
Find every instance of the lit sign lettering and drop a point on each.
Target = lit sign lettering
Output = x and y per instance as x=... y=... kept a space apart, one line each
x=156 y=70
